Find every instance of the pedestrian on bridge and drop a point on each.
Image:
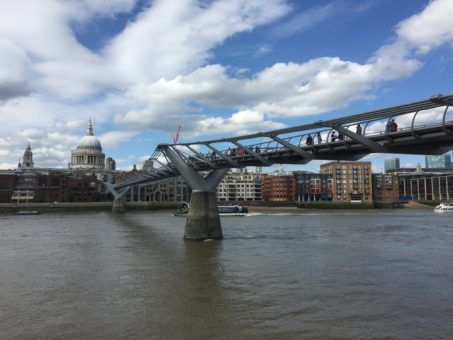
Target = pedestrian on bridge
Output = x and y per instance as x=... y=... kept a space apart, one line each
x=318 y=136
x=309 y=140
x=333 y=136
x=358 y=129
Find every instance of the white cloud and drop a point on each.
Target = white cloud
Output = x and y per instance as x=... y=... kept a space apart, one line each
x=242 y=122
x=115 y=138
x=13 y=70
x=430 y=28
x=174 y=37
x=156 y=72
x=306 y=19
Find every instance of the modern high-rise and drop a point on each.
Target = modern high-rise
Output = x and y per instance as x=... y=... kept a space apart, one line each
x=438 y=162
x=351 y=181
x=392 y=163
x=110 y=164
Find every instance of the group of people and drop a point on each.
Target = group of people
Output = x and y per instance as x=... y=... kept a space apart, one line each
x=392 y=126
x=241 y=151
x=334 y=136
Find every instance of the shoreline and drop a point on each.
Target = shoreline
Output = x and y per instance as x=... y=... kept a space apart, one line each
x=12 y=208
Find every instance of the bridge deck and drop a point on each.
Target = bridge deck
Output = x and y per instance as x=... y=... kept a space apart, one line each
x=434 y=135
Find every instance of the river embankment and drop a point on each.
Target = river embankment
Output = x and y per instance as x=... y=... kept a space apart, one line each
x=11 y=208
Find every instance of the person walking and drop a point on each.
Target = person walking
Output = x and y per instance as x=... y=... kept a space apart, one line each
x=333 y=137
x=319 y=138
x=358 y=129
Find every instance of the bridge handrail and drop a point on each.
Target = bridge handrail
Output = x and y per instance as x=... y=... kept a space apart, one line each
x=294 y=139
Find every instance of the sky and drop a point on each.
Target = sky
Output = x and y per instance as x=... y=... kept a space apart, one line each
x=140 y=68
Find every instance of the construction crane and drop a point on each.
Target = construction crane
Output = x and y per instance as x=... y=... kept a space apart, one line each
x=175 y=136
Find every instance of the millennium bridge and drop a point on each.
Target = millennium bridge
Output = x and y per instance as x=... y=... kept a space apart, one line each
x=424 y=127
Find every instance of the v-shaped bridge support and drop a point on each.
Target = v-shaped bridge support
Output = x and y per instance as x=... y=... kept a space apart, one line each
x=203 y=221
x=118 y=202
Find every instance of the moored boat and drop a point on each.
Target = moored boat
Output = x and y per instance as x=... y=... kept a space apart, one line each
x=224 y=210
x=28 y=212
x=444 y=207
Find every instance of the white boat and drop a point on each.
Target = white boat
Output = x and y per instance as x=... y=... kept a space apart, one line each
x=28 y=212
x=444 y=207
x=224 y=210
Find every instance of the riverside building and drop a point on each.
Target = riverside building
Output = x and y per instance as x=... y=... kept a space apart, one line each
x=80 y=182
x=279 y=187
x=385 y=188
x=351 y=181
x=312 y=187
x=240 y=186
x=425 y=186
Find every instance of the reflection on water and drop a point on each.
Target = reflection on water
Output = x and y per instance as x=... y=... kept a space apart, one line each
x=315 y=274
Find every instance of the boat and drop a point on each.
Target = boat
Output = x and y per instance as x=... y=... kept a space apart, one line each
x=233 y=210
x=28 y=212
x=224 y=210
x=444 y=207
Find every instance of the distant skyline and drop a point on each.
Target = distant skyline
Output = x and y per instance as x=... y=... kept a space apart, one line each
x=140 y=68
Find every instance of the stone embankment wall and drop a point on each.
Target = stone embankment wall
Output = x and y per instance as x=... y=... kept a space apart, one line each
x=83 y=206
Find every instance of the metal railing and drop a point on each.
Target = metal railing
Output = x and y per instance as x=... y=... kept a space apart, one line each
x=236 y=152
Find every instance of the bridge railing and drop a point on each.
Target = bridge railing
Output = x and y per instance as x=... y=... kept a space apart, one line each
x=258 y=147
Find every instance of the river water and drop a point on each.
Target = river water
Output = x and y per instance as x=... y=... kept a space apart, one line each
x=339 y=274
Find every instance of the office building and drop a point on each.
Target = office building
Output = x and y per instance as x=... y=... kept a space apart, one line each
x=392 y=163
x=438 y=162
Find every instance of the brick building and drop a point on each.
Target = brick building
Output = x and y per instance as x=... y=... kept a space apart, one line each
x=43 y=186
x=351 y=181
x=385 y=188
x=279 y=187
x=313 y=186
x=7 y=185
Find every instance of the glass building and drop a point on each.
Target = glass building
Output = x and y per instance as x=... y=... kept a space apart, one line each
x=438 y=162
x=392 y=163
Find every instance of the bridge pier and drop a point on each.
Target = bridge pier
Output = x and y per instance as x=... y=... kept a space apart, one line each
x=203 y=220
x=119 y=204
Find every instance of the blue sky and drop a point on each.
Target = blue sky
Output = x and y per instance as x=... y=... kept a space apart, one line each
x=217 y=68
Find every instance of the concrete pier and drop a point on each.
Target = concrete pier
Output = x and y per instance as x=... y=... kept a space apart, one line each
x=203 y=221
x=118 y=205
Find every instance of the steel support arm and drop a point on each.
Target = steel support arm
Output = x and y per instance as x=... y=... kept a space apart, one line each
x=117 y=193
x=200 y=156
x=301 y=152
x=372 y=145
x=252 y=153
x=226 y=158
x=192 y=177
x=183 y=157
x=164 y=165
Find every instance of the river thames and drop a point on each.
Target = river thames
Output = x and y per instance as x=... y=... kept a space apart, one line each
x=340 y=274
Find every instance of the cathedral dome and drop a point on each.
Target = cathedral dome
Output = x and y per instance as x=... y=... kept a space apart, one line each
x=88 y=154
x=90 y=142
